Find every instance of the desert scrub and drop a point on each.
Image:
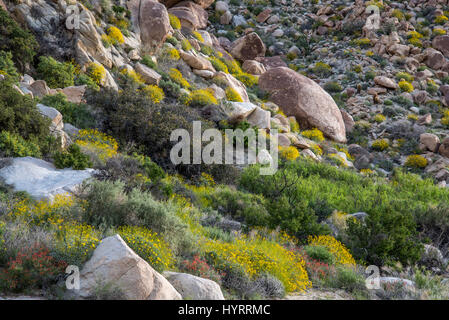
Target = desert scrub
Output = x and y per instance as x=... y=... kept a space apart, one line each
x=397 y=13
x=338 y=160
x=218 y=64
x=258 y=255
x=313 y=134
x=405 y=86
x=177 y=77
x=97 y=143
x=186 y=45
x=379 y=118
x=174 y=21
x=96 y=72
x=445 y=119
x=172 y=54
x=13 y=145
x=380 y=144
x=338 y=250
x=7 y=67
x=155 y=93
x=404 y=75
x=233 y=95
x=133 y=75
x=247 y=79
x=288 y=153
x=322 y=69
x=363 y=42
x=416 y=161
x=294 y=125
x=202 y=97
x=149 y=246
x=333 y=86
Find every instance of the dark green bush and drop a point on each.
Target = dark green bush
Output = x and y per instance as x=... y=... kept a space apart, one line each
x=72 y=158
x=7 y=65
x=320 y=253
x=56 y=74
x=245 y=207
x=21 y=43
x=19 y=115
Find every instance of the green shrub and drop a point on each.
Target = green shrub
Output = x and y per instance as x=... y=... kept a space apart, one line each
x=13 y=145
x=320 y=253
x=76 y=114
x=386 y=236
x=72 y=158
x=21 y=43
x=19 y=115
x=56 y=74
x=245 y=207
x=7 y=65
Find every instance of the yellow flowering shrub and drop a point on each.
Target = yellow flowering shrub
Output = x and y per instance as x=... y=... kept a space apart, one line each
x=288 y=153
x=202 y=97
x=380 y=144
x=337 y=159
x=439 y=31
x=247 y=79
x=416 y=161
x=397 y=13
x=156 y=94
x=316 y=149
x=218 y=64
x=405 y=75
x=102 y=145
x=115 y=35
x=442 y=19
x=340 y=252
x=173 y=54
x=233 y=95
x=412 y=117
x=405 y=86
x=96 y=72
x=414 y=34
x=133 y=75
x=198 y=36
x=366 y=172
x=379 y=118
x=186 y=45
x=416 y=42
x=177 y=77
x=259 y=255
x=294 y=125
x=44 y=212
x=313 y=134
x=76 y=242
x=174 y=21
x=445 y=119
x=149 y=246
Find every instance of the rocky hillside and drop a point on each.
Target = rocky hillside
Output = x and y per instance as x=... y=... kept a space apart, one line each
x=91 y=91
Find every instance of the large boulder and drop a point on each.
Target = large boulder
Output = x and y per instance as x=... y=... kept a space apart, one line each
x=41 y=179
x=248 y=47
x=191 y=15
x=441 y=43
x=195 y=61
x=148 y=75
x=75 y=94
x=301 y=97
x=192 y=287
x=202 y=3
x=113 y=262
x=151 y=22
x=88 y=44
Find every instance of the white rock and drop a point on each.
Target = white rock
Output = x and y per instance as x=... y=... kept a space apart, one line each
x=116 y=263
x=41 y=179
x=192 y=287
x=239 y=110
